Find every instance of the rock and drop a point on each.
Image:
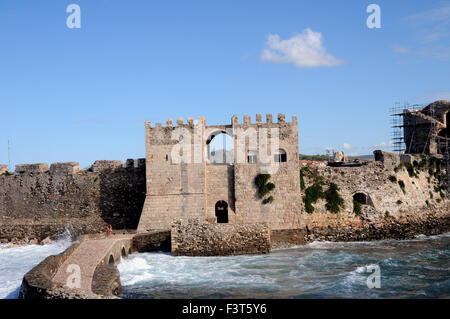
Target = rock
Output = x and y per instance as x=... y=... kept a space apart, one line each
x=46 y=241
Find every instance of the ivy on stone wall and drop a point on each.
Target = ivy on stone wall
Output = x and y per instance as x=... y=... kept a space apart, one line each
x=261 y=181
x=302 y=180
x=402 y=185
x=312 y=194
x=357 y=207
x=334 y=200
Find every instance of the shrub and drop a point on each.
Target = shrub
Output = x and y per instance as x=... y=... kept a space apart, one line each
x=263 y=188
x=312 y=194
x=357 y=207
x=410 y=170
x=427 y=202
x=399 y=202
x=431 y=195
x=6 y=173
x=387 y=214
x=268 y=200
x=402 y=185
x=438 y=200
x=393 y=179
x=334 y=200
x=399 y=167
x=302 y=180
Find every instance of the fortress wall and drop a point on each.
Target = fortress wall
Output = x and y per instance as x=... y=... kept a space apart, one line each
x=37 y=203
x=160 y=211
x=284 y=211
x=373 y=180
x=194 y=238
x=220 y=187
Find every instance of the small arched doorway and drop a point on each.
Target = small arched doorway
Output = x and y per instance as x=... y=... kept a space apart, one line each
x=111 y=260
x=361 y=198
x=222 y=212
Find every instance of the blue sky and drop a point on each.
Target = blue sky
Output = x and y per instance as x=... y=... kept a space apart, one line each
x=84 y=94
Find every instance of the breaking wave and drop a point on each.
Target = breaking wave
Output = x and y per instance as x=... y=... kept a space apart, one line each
x=15 y=262
x=416 y=268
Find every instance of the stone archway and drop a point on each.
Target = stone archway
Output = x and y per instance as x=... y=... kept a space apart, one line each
x=361 y=198
x=111 y=260
x=220 y=148
x=222 y=212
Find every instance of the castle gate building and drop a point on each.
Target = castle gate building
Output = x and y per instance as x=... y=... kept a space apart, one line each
x=185 y=180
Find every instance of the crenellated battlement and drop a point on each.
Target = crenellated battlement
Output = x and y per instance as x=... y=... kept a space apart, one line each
x=70 y=168
x=247 y=120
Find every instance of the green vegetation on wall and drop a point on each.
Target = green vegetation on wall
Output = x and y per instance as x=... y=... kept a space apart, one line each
x=357 y=207
x=334 y=200
x=312 y=194
x=402 y=185
x=264 y=188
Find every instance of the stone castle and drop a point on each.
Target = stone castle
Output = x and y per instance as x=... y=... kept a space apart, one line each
x=427 y=130
x=182 y=178
x=194 y=187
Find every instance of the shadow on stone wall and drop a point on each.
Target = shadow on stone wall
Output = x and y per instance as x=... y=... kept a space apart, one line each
x=122 y=196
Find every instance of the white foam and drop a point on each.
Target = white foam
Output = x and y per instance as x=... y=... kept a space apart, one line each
x=16 y=261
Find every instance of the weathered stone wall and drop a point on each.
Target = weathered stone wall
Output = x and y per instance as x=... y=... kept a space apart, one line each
x=36 y=202
x=194 y=238
x=152 y=241
x=3 y=169
x=191 y=189
x=389 y=212
x=348 y=227
x=37 y=283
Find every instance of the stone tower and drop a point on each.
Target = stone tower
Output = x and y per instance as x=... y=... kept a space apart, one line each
x=182 y=182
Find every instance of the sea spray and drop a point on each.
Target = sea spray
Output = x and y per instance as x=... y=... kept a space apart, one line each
x=15 y=262
x=416 y=268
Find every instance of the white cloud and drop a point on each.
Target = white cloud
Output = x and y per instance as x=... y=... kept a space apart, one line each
x=383 y=144
x=430 y=27
x=304 y=50
x=400 y=49
x=346 y=146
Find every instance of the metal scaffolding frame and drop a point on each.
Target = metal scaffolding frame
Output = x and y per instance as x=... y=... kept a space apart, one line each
x=397 y=113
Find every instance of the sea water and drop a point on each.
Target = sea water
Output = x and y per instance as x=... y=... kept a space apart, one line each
x=17 y=261
x=417 y=268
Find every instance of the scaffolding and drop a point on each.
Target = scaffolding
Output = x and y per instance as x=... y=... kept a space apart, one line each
x=401 y=145
x=443 y=147
x=397 y=113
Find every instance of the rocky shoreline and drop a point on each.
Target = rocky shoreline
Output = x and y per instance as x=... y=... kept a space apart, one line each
x=400 y=226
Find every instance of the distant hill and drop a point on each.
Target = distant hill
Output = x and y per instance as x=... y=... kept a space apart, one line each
x=324 y=157
x=304 y=157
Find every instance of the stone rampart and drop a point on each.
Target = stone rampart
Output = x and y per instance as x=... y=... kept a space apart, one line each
x=37 y=202
x=194 y=238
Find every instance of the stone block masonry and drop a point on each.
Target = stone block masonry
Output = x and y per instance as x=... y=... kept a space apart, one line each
x=195 y=189
x=195 y=238
x=36 y=202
